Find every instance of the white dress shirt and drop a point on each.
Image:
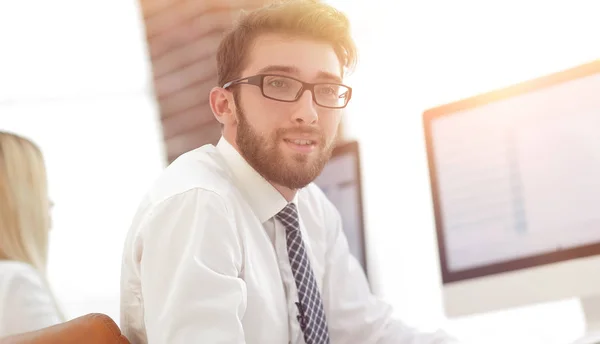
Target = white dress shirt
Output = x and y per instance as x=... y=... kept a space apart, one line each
x=25 y=301
x=205 y=261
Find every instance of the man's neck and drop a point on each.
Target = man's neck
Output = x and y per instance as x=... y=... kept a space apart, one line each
x=287 y=193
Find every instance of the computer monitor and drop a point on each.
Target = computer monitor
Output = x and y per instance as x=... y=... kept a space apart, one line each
x=340 y=180
x=515 y=180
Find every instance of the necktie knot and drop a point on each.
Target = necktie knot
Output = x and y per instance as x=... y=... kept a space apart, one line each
x=289 y=217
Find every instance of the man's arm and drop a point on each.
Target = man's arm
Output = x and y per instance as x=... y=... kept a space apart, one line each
x=355 y=314
x=190 y=263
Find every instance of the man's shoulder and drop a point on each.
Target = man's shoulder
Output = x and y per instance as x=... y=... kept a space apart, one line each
x=312 y=194
x=202 y=169
x=313 y=200
x=200 y=174
x=198 y=180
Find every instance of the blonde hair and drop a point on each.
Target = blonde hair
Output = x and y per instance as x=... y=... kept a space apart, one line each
x=301 y=18
x=24 y=204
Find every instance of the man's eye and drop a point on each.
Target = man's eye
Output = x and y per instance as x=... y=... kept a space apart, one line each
x=277 y=83
x=327 y=91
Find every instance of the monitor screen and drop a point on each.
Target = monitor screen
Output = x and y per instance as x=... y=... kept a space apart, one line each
x=516 y=175
x=341 y=182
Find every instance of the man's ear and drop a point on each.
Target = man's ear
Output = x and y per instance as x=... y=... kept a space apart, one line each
x=222 y=105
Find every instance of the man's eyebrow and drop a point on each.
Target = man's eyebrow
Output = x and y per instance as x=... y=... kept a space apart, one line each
x=321 y=75
x=329 y=76
x=279 y=68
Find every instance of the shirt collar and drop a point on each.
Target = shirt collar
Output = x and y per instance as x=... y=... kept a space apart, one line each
x=264 y=199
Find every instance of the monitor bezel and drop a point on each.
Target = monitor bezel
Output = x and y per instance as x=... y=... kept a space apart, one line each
x=430 y=115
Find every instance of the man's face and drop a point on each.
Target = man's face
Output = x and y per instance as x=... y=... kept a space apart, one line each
x=287 y=142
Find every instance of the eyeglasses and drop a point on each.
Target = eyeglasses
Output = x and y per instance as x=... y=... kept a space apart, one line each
x=288 y=89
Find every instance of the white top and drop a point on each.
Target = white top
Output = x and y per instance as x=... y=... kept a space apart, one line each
x=25 y=301
x=205 y=261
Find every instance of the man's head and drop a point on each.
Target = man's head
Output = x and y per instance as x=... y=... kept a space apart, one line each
x=281 y=96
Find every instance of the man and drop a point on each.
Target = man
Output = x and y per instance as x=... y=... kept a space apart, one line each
x=233 y=244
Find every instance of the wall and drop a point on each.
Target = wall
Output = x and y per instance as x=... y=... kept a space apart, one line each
x=183 y=38
x=415 y=55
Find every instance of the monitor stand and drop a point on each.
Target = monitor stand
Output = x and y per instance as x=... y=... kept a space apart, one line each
x=591 y=311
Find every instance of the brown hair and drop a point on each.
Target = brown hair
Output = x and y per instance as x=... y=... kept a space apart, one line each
x=304 y=18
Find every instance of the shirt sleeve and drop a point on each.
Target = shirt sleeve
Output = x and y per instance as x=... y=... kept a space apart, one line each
x=29 y=303
x=190 y=265
x=355 y=315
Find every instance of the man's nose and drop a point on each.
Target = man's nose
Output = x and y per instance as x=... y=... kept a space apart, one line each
x=306 y=109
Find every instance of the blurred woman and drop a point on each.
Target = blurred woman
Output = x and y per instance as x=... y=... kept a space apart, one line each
x=26 y=302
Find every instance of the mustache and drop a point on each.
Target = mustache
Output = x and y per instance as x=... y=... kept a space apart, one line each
x=301 y=131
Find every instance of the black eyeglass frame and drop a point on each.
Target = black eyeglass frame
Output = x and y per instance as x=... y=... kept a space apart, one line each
x=258 y=80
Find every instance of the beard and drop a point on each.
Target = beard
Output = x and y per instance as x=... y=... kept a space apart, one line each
x=264 y=154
